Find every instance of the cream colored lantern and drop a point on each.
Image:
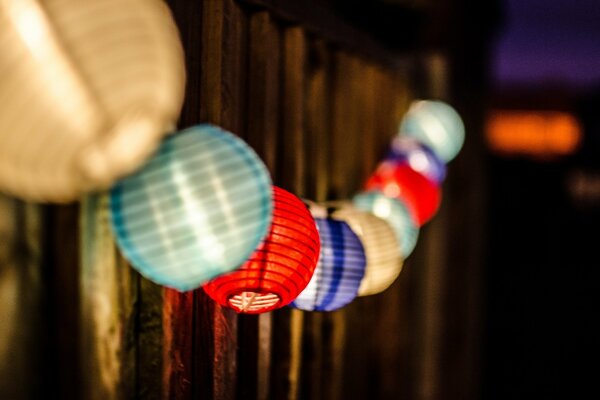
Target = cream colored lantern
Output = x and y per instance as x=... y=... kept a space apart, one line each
x=384 y=262
x=87 y=91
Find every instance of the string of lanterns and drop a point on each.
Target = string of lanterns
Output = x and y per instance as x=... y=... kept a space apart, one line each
x=202 y=210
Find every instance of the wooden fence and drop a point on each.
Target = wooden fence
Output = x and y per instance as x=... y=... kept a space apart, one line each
x=319 y=107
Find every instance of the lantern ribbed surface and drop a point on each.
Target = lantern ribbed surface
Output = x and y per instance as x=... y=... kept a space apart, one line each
x=340 y=269
x=382 y=251
x=198 y=209
x=281 y=266
x=406 y=150
x=421 y=196
x=395 y=214
x=88 y=90
x=435 y=124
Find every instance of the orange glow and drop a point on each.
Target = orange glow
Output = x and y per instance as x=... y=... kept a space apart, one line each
x=535 y=133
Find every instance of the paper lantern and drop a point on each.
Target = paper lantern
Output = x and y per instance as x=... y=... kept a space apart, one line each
x=382 y=251
x=88 y=90
x=395 y=214
x=421 y=196
x=198 y=209
x=435 y=124
x=340 y=269
x=405 y=150
x=281 y=266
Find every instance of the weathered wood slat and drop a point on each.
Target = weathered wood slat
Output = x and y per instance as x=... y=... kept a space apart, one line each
x=262 y=124
x=178 y=309
x=360 y=315
x=24 y=304
x=263 y=88
x=346 y=136
x=318 y=109
x=108 y=306
x=317 y=105
x=291 y=164
x=223 y=51
x=347 y=143
x=319 y=19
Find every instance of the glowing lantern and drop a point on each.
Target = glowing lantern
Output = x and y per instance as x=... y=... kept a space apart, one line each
x=381 y=249
x=340 y=269
x=88 y=90
x=419 y=194
x=405 y=150
x=395 y=214
x=281 y=266
x=435 y=124
x=198 y=209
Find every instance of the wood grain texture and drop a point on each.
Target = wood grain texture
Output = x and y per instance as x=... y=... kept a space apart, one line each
x=23 y=302
x=108 y=307
x=262 y=128
x=223 y=52
x=178 y=309
x=319 y=105
x=346 y=136
x=290 y=162
x=319 y=19
x=291 y=165
x=263 y=88
x=317 y=114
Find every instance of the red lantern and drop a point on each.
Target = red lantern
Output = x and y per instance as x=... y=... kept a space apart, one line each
x=421 y=196
x=281 y=266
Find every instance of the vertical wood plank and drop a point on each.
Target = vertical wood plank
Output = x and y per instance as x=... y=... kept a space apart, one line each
x=263 y=88
x=23 y=303
x=178 y=309
x=432 y=275
x=360 y=315
x=177 y=326
x=262 y=129
x=346 y=137
x=318 y=110
x=394 y=352
x=291 y=166
x=346 y=175
x=61 y=251
x=318 y=131
x=108 y=306
x=223 y=53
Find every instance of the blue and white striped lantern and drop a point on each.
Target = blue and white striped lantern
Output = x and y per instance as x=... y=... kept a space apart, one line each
x=340 y=269
x=198 y=209
x=395 y=213
x=418 y=156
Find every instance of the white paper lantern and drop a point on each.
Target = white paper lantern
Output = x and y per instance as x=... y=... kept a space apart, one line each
x=87 y=91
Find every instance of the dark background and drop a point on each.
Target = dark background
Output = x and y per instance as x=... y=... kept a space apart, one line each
x=543 y=284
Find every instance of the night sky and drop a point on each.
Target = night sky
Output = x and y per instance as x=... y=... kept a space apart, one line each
x=555 y=41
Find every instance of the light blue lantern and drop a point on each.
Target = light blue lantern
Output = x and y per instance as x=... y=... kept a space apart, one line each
x=340 y=269
x=198 y=209
x=435 y=124
x=395 y=213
